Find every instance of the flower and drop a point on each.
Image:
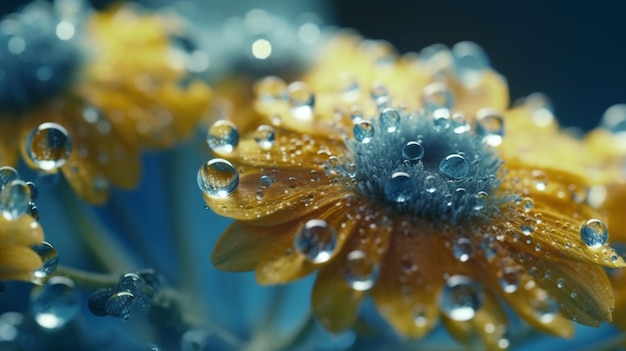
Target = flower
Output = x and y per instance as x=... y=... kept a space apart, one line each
x=85 y=92
x=400 y=178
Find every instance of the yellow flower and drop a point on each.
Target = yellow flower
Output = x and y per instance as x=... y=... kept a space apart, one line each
x=398 y=178
x=87 y=96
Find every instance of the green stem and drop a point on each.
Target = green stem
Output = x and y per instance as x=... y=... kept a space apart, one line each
x=87 y=279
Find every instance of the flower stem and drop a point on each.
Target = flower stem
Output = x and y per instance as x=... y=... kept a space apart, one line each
x=87 y=279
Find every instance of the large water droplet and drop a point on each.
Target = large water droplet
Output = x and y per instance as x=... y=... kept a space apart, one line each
x=49 y=258
x=363 y=131
x=301 y=101
x=461 y=298
x=121 y=304
x=7 y=175
x=132 y=283
x=317 y=241
x=360 y=271
x=55 y=303
x=594 y=233
x=48 y=146
x=399 y=187
x=413 y=151
x=430 y=183
x=454 y=167
x=470 y=61
x=490 y=126
x=436 y=97
x=218 y=178
x=97 y=301
x=389 y=120
x=14 y=199
x=271 y=89
x=223 y=137
x=264 y=136
x=462 y=249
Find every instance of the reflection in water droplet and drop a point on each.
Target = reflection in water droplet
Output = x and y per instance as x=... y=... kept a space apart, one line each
x=49 y=258
x=436 y=97
x=363 y=131
x=97 y=301
x=55 y=303
x=462 y=249
x=218 y=178
x=389 y=120
x=223 y=137
x=14 y=199
x=454 y=167
x=301 y=101
x=316 y=240
x=7 y=175
x=121 y=304
x=360 y=271
x=399 y=187
x=470 y=61
x=264 y=136
x=509 y=281
x=490 y=126
x=413 y=151
x=132 y=283
x=461 y=298
x=48 y=146
x=594 y=233
x=430 y=183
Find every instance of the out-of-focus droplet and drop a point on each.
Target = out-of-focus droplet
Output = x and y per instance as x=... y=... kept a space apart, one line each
x=413 y=151
x=218 y=178
x=399 y=187
x=97 y=301
x=195 y=340
x=363 y=131
x=316 y=240
x=461 y=298
x=271 y=89
x=49 y=146
x=360 y=271
x=490 y=126
x=301 y=101
x=55 y=303
x=264 y=136
x=223 y=137
x=7 y=175
x=454 y=167
x=389 y=120
x=49 y=258
x=14 y=199
x=132 y=283
x=594 y=233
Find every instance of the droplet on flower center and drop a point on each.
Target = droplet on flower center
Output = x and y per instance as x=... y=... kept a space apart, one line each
x=360 y=271
x=389 y=119
x=454 y=167
x=413 y=151
x=363 y=131
x=594 y=233
x=316 y=241
x=218 y=178
x=264 y=136
x=490 y=126
x=399 y=187
x=14 y=199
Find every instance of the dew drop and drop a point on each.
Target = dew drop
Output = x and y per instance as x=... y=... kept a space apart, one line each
x=266 y=181
x=490 y=126
x=454 y=167
x=7 y=175
x=437 y=96
x=132 y=283
x=527 y=204
x=264 y=136
x=121 y=304
x=413 y=151
x=363 y=131
x=14 y=199
x=316 y=240
x=34 y=192
x=430 y=183
x=360 y=271
x=545 y=308
x=594 y=233
x=462 y=249
x=97 y=301
x=49 y=258
x=223 y=137
x=48 y=146
x=218 y=178
x=55 y=303
x=509 y=281
x=301 y=101
x=461 y=298
x=399 y=187
x=389 y=120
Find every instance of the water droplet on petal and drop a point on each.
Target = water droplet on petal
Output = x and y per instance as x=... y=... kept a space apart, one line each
x=316 y=240
x=436 y=97
x=55 y=303
x=462 y=249
x=490 y=126
x=459 y=124
x=461 y=298
x=264 y=136
x=389 y=120
x=399 y=187
x=470 y=61
x=14 y=199
x=594 y=233
x=266 y=181
x=363 y=131
x=360 y=271
x=49 y=258
x=454 y=167
x=527 y=204
x=48 y=146
x=223 y=137
x=218 y=178
x=509 y=281
x=301 y=101
x=132 y=283
x=413 y=151
x=7 y=175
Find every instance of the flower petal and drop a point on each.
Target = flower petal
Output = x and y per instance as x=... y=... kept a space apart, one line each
x=24 y=231
x=18 y=262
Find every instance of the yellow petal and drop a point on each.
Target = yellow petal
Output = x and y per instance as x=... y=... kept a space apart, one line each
x=17 y=262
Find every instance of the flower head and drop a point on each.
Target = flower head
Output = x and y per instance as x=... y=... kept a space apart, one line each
x=406 y=179
x=83 y=92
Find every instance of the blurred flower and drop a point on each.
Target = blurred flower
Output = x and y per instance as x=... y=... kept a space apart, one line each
x=84 y=92
x=399 y=178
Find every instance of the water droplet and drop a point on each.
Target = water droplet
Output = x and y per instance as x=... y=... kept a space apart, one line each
x=470 y=61
x=14 y=199
x=301 y=101
x=413 y=151
x=132 y=283
x=436 y=97
x=430 y=183
x=560 y=283
x=527 y=204
x=363 y=131
x=420 y=319
x=7 y=175
x=55 y=303
x=271 y=89
x=218 y=178
x=266 y=181
x=461 y=297
x=121 y=304
x=389 y=120
x=223 y=137
x=594 y=233
x=459 y=124
x=509 y=281
x=48 y=146
x=380 y=95
x=545 y=308
x=490 y=126
x=614 y=120
x=462 y=249
x=264 y=136
x=360 y=271
x=33 y=210
x=399 y=187
x=97 y=301
x=441 y=120
x=454 y=167
x=316 y=240
x=195 y=340
x=49 y=258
